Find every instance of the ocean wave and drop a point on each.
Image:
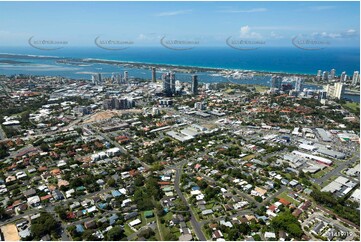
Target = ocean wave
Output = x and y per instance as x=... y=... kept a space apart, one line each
x=36 y=67
x=27 y=55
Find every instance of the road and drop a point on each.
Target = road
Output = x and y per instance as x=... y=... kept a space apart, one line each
x=196 y=226
x=338 y=169
x=239 y=213
x=334 y=223
x=50 y=209
x=327 y=211
x=246 y=196
x=159 y=230
x=242 y=194
x=116 y=144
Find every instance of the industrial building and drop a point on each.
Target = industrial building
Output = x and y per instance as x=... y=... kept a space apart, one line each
x=325 y=135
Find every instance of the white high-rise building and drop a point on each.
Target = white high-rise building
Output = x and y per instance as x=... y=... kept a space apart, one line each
x=298 y=84
x=125 y=76
x=325 y=76
x=113 y=77
x=318 y=76
x=332 y=74
x=339 y=90
x=336 y=90
x=356 y=78
x=343 y=76
x=94 y=79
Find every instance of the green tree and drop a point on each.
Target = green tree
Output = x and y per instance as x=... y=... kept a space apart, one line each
x=111 y=182
x=44 y=147
x=286 y=221
x=258 y=199
x=45 y=224
x=61 y=211
x=115 y=234
x=2 y=213
x=146 y=233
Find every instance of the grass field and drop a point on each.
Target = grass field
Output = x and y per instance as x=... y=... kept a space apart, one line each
x=208 y=237
x=352 y=106
x=261 y=88
x=168 y=216
x=323 y=172
x=127 y=230
x=249 y=157
x=285 y=196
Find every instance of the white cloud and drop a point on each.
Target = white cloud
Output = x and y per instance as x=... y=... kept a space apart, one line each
x=173 y=13
x=276 y=27
x=246 y=32
x=149 y=36
x=275 y=35
x=350 y=33
x=325 y=35
x=253 y=10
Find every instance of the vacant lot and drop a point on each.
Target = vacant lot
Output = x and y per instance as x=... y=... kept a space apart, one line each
x=10 y=232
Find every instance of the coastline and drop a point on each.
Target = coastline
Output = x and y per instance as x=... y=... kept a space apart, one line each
x=188 y=69
x=182 y=67
x=71 y=61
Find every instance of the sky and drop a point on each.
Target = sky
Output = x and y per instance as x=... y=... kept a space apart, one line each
x=210 y=23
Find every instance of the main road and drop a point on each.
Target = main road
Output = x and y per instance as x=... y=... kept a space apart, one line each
x=337 y=171
x=196 y=226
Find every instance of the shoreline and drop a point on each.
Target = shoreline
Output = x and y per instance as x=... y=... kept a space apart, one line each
x=72 y=60
x=185 y=67
x=147 y=65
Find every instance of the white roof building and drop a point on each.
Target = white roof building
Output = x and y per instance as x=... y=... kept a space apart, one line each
x=135 y=222
x=355 y=196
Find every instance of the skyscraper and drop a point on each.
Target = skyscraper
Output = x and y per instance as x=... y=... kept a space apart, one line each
x=356 y=78
x=339 y=90
x=119 y=78
x=318 y=77
x=343 y=76
x=194 y=87
x=125 y=76
x=332 y=74
x=166 y=84
x=325 y=76
x=94 y=79
x=99 y=78
x=298 y=84
x=154 y=76
x=114 y=77
x=172 y=83
x=276 y=82
x=336 y=90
